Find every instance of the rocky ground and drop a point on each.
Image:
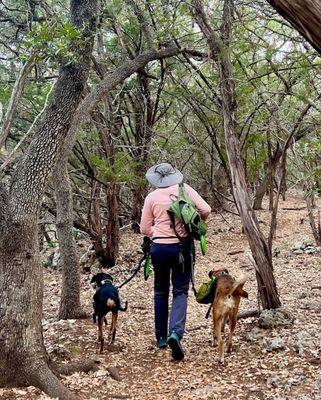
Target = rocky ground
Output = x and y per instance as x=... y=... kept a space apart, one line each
x=280 y=363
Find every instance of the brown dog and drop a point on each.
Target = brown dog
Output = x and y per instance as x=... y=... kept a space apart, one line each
x=225 y=306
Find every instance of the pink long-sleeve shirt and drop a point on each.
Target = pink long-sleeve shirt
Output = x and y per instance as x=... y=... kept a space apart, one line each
x=155 y=221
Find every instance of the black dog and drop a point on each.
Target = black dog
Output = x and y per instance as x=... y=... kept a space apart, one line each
x=106 y=299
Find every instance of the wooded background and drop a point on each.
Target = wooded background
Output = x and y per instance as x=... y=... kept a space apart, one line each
x=95 y=92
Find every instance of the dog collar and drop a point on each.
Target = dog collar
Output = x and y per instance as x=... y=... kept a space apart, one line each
x=106 y=281
x=220 y=274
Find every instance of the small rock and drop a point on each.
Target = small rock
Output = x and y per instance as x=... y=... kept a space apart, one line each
x=275 y=344
x=101 y=373
x=274 y=318
x=310 y=250
x=254 y=335
x=303 y=341
x=298 y=251
x=276 y=381
x=298 y=246
x=60 y=351
x=311 y=305
x=308 y=294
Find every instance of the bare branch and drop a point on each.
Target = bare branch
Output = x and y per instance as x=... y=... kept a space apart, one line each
x=15 y=98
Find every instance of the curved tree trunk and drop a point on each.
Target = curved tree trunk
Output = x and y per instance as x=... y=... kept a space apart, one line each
x=70 y=291
x=304 y=15
x=23 y=359
x=219 y=48
x=262 y=189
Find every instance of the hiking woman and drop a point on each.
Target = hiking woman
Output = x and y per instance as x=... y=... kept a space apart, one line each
x=165 y=253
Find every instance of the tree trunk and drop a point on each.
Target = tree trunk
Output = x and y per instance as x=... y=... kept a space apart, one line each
x=139 y=193
x=145 y=115
x=266 y=182
x=219 y=48
x=23 y=359
x=113 y=227
x=70 y=291
x=304 y=15
x=316 y=230
x=260 y=191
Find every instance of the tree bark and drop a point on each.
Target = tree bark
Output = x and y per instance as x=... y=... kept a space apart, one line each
x=145 y=115
x=261 y=190
x=70 y=289
x=23 y=359
x=113 y=226
x=316 y=229
x=304 y=16
x=220 y=53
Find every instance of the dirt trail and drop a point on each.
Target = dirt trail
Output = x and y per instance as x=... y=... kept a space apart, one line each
x=252 y=372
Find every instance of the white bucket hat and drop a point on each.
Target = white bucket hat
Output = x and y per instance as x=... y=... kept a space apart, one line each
x=163 y=175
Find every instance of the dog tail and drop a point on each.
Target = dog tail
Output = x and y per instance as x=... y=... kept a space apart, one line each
x=238 y=285
x=124 y=308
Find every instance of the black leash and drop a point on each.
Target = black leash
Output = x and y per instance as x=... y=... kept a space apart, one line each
x=209 y=310
x=134 y=273
x=146 y=250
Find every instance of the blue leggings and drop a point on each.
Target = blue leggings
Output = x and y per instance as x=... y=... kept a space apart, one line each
x=165 y=259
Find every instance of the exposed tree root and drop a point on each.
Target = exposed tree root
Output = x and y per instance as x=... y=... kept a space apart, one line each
x=45 y=379
x=114 y=373
x=78 y=314
x=248 y=314
x=77 y=366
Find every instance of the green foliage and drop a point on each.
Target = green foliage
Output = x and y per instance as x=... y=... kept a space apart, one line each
x=121 y=170
x=55 y=39
x=310 y=152
x=51 y=244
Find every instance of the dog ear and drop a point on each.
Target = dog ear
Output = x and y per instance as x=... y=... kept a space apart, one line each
x=244 y=293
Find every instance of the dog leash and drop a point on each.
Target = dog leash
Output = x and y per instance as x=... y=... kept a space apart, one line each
x=146 y=250
x=134 y=273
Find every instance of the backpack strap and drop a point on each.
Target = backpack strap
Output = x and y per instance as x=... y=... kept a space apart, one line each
x=181 y=189
x=172 y=219
x=181 y=192
x=192 y=255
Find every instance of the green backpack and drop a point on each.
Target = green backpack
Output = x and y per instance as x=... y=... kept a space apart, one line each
x=206 y=292
x=184 y=209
